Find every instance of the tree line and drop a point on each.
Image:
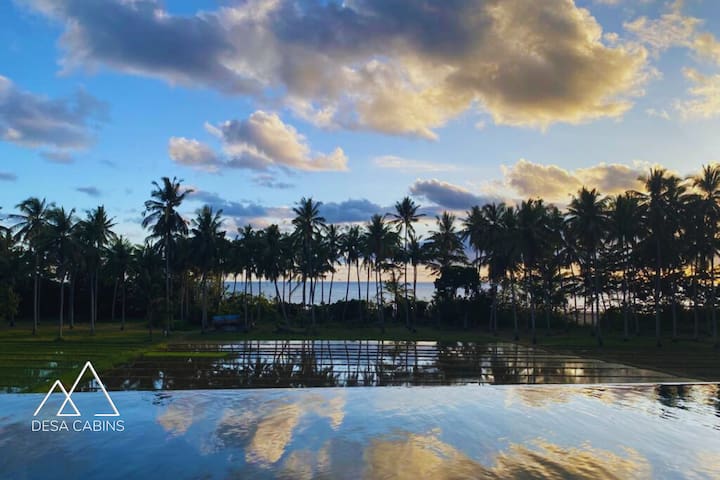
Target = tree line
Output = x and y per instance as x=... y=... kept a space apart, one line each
x=649 y=252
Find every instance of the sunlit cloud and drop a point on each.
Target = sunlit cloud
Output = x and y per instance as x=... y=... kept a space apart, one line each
x=397 y=68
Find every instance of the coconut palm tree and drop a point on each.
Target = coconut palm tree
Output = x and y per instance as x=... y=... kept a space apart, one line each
x=307 y=223
x=31 y=222
x=206 y=241
x=406 y=214
x=587 y=217
x=119 y=255
x=382 y=244
x=495 y=252
x=332 y=243
x=445 y=244
x=658 y=184
x=625 y=220
x=165 y=223
x=273 y=255
x=147 y=279
x=95 y=232
x=708 y=185
x=531 y=231
x=59 y=238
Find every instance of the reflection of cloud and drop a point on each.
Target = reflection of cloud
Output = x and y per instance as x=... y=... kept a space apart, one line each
x=707 y=464
x=273 y=434
x=425 y=456
x=180 y=415
x=275 y=428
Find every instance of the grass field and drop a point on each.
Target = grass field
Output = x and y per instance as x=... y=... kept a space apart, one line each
x=30 y=362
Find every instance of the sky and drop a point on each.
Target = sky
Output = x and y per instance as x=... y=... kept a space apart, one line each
x=255 y=104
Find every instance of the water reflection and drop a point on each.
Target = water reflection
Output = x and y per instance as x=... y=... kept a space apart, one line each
x=622 y=432
x=255 y=364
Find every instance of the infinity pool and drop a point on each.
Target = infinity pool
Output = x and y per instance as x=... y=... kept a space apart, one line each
x=472 y=431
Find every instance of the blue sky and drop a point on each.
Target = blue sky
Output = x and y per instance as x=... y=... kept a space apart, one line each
x=258 y=103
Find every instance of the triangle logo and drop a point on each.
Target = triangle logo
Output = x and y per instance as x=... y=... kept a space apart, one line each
x=68 y=403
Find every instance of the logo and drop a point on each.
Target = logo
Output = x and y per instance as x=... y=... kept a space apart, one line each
x=68 y=404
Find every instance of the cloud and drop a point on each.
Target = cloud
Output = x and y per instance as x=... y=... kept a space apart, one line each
x=359 y=210
x=400 y=67
x=671 y=29
x=261 y=142
x=32 y=120
x=91 y=191
x=61 y=157
x=447 y=195
x=555 y=183
x=237 y=213
x=707 y=46
x=269 y=181
x=8 y=177
x=406 y=164
x=704 y=101
x=192 y=153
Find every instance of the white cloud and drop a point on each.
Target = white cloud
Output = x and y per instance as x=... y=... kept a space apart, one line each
x=555 y=183
x=704 y=101
x=260 y=142
x=410 y=165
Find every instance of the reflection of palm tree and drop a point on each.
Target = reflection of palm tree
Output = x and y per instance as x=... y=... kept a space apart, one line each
x=404 y=217
x=31 y=222
x=162 y=216
x=206 y=241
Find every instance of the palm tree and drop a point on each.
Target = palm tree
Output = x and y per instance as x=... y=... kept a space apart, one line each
x=59 y=238
x=206 y=241
x=445 y=244
x=708 y=184
x=146 y=270
x=120 y=255
x=658 y=184
x=95 y=232
x=406 y=214
x=30 y=223
x=307 y=223
x=531 y=231
x=587 y=217
x=332 y=243
x=273 y=259
x=381 y=243
x=494 y=247
x=161 y=215
x=625 y=218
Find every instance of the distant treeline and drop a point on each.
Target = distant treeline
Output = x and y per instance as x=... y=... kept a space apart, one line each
x=639 y=253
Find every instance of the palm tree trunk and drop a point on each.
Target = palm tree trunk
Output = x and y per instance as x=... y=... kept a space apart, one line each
x=72 y=302
x=280 y=301
x=347 y=291
x=62 y=304
x=405 y=280
x=514 y=307
x=598 y=326
x=114 y=301
x=657 y=293
x=245 y=301
x=624 y=293
x=713 y=296
x=167 y=285
x=122 y=310
x=36 y=294
x=203 y=321
x=414 y=307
